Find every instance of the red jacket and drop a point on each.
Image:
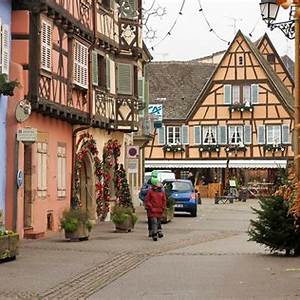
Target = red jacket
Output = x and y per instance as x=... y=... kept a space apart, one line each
x=155 y=202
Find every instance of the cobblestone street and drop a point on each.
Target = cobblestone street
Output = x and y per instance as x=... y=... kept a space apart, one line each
x=207 y=257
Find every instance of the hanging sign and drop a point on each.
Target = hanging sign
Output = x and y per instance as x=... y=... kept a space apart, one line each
x=156 y=110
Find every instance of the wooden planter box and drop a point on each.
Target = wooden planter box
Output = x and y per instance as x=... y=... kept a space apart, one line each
x=9 y=245
x=168 y=215
x=81 y=234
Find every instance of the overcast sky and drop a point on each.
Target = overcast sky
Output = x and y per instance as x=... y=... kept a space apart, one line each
x=190 y=38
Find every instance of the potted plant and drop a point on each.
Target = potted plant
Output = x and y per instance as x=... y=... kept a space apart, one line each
x=76 y=224
x=124 y=218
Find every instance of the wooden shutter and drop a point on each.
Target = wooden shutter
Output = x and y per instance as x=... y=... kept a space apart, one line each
x=197 y=135
x=80 y=75
x=286 y=135
x=107 y=72
x=185 y=134
x=95 y=68
x=161 y=135
x=247 y=134
x=5 y=49
x=141 y=89
x=227 y=94
x=222 y=134
x=261 y=134
x=125 y=77
x=46 y=46
x=254 y=93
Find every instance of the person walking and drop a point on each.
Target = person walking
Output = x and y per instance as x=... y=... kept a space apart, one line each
x=155 y=203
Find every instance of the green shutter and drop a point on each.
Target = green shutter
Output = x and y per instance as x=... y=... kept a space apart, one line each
x=141 y=89
x=227 y=94
x=254 y=93
x=95 y=68
x=286 y=136
x=161 y=135
x=247 y=135
x=197 y=135
x=125 y=79
x=107 y=72
x=185 y=134
x=261 y=135
x=222 y=134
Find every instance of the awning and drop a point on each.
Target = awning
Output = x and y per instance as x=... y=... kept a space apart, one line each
x=257 y=164
x=185 y=164
x=210 y=163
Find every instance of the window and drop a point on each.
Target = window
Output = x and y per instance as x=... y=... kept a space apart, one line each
x=246 y=94
x=61 y=170
x=46 y=45
x=235 y=94
x=235 y=134
x=271 y=58
x=106 y=3
x=273 y=134
x=42 y=169
x=101 y=70
x=209 y=135
x=174 y=136
x=129 y=10
x=80 y=73
x=4 y=48
x=241 y=61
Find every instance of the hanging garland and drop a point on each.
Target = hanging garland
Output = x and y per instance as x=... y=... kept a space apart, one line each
x=111 y=152
x=88 y=146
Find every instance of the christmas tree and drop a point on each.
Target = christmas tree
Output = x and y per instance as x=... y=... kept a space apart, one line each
x=122 y=187
x=275 y=226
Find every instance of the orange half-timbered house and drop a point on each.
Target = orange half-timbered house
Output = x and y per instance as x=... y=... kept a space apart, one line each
x=78 y=62
x=234 y=118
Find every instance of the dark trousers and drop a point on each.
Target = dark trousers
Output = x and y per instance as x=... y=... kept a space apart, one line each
x=154 y=225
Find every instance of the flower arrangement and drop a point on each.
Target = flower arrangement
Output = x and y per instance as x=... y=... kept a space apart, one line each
x=235 y=148
x=209 y=148
x=173 y=148
x=7 y=87
x=246 y=106
x=275 y=147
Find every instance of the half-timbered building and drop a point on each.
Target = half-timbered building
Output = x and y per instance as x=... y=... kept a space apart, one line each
x=80 y=63
x=234 y=118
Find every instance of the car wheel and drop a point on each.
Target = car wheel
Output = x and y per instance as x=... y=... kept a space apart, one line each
x=194 y=213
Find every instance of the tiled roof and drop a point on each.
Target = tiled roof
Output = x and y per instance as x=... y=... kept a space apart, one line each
x=177 y=85
x=289 y=64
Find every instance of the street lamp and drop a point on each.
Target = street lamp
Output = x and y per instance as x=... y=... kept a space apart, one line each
x=269 y=10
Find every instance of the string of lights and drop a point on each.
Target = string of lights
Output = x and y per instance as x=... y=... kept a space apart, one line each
x=171 y=28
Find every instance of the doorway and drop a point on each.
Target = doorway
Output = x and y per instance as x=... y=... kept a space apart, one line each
x=87 y=187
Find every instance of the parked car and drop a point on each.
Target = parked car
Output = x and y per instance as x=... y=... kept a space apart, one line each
x=184 y=194
x=162 y=175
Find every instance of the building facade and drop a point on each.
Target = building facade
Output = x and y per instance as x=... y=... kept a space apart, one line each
x=5 y=24
x=80 y=62
x=233 y=119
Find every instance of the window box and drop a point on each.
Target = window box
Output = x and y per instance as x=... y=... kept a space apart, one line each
x=275 y=148
x=235 y=148
x=173 y=148
x=209 y=148
x=241 y=107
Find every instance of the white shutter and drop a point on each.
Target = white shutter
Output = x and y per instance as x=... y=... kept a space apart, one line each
x=185 y=134
x=286 y=135
x=125 y=78
x=222 y=134
x=197 y=135
x=254 y=93
x=44 y=170
x=80 y=74
x=161 y=135
x=235 y=94
x=46 y=45
x=227 y=94
x=59 y=172
x=39 y=170
x=261 y=134
x=5 y=49
x=141 y=88
x=247 y=135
